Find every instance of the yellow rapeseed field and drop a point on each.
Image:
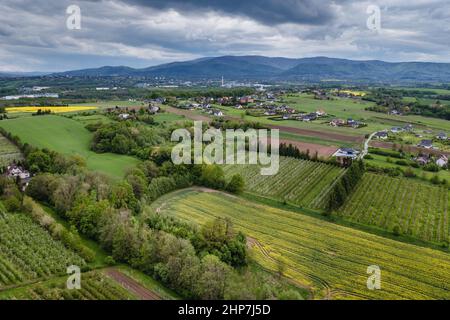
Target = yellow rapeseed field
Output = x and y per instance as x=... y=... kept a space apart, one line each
x=54 y=109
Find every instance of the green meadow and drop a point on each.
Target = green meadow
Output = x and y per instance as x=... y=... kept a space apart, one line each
x=68 y=137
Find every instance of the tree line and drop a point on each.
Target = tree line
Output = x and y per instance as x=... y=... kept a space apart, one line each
x=345 y=185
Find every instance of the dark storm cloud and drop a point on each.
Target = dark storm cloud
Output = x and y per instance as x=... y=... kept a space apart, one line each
x=269 y=12
x=138 y=33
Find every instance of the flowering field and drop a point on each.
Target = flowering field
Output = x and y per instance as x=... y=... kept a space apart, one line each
x=301 y=182
x=329 y=259
x=414 y=208
x=53 y=109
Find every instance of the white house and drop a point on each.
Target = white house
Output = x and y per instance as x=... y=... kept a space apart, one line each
x=442 y=161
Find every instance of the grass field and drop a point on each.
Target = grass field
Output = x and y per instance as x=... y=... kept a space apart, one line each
x=300 y=182
x=28 y=252
x=417 y=209
x=95 y=285
x=8 y=152
x=331 y=260
x=68 y=137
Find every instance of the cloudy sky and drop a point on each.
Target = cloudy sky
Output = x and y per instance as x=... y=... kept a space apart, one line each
x=34 y=35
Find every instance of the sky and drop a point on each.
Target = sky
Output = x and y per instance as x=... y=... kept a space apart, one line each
x=40 y=35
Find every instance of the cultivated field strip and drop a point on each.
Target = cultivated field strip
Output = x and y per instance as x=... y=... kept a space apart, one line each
x=28 y=252
x=94 y=286
x=301 y=182
x=329 y=258
x=8 y=152
x=413 y=208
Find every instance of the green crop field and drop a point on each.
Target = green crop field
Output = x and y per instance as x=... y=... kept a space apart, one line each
x=8 y=152
x=301 y=182
x=417 y=209
x=28 y=252
x=329 y=259
x=69 y=137
x=95 y=285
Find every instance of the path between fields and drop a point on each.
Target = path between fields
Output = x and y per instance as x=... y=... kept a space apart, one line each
x=132 y=285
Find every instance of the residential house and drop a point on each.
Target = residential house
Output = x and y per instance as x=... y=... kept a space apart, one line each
x=217 y=113
x=396 y=129
x=441 y=136
x=337 y=122
x=408 y=127
x=422 y=160
x=381 y=135
x=153 y=109
x=428 y=144
x=124 y=116
x=345 y=156
x=321 y=113
x=442 y=161
x=19 y=173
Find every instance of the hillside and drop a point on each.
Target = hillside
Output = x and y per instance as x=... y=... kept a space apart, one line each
x=266 y=68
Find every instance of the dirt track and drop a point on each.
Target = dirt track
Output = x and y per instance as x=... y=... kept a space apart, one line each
x=133 y=286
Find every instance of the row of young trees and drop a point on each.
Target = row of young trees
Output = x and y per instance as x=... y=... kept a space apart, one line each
x=345 y=186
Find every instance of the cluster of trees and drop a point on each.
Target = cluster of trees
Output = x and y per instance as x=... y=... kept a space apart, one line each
x=224 y=124
x=345 y=185
x=192 y=93
x=128 y=138
x=289 y=150
x=216 y=237
x=387 y=99
x=41 y=112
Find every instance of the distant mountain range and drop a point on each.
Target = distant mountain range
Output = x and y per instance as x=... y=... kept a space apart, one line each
x=265 y=68
x=22 y=74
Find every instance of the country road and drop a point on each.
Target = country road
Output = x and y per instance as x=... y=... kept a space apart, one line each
x=366 y=146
